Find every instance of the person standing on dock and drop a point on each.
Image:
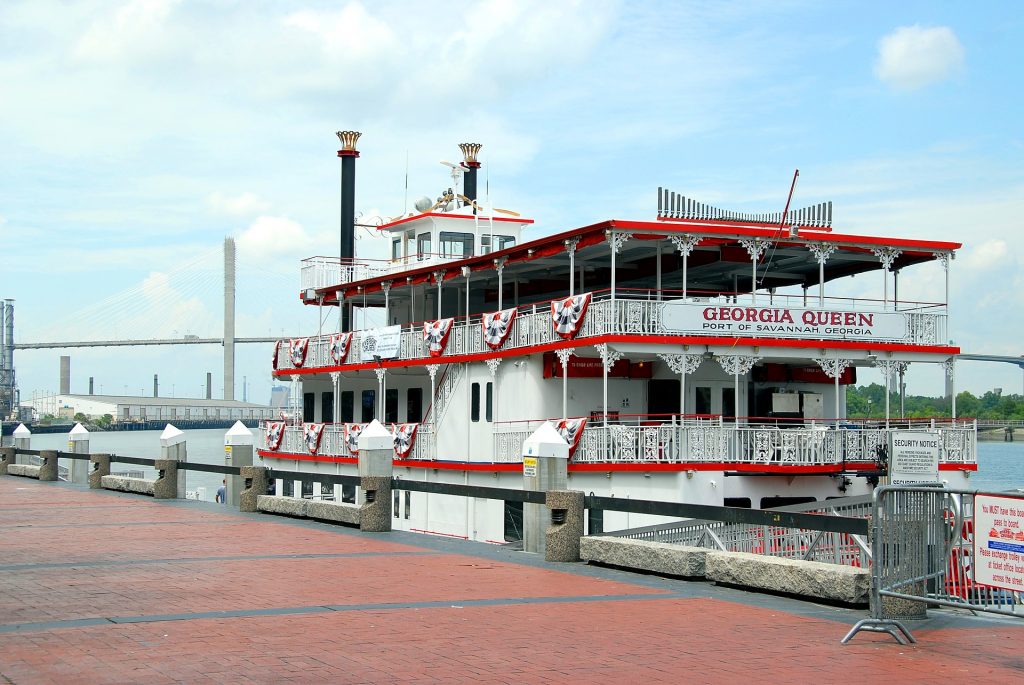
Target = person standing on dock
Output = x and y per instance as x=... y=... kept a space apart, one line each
x=222 y=492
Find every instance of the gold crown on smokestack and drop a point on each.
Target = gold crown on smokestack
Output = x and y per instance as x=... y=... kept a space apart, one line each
x=348 y=140
x=469 y=152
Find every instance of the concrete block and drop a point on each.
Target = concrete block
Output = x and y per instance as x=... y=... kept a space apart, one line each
x=26 y=470
x=644 y=555
x=335 y=512
x=792 y=576
x=255 y=480
x=375 y=513
x=566 y=525
x=139 y=486
x=48 y=467
x=100 y=466
x=166 y=484
x=7 y=457
x=283 y=506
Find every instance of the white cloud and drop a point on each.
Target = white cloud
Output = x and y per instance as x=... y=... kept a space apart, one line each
x=912 y=57
x=276 y=239
x=237 y=205
x=991 y=254
x=135 y=28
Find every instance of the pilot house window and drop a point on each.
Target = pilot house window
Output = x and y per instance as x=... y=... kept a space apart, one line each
x=456 y=244
x=423 y=246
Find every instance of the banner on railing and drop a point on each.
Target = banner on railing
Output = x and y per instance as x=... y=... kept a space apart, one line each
x=311 y=433
x=405 y=438
x=435 y=335
x=571 y=431
x=340 y=344
x=384 y=343
x=497 y=326
x=567 y=315
x=352 y=431
x=297 y=351
x=275 y=433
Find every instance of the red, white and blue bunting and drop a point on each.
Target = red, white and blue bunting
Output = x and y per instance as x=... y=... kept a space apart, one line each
x=340 y=344
x=352 y=431
x=297 y=351
x=568 y=314
x=435 y=335
x=497 y=326
x=311 y=433
x=405 y=438
x=277 y=348
x=571 y=431
x=275 y=433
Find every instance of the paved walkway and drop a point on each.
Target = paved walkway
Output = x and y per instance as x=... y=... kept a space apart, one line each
x=100 y=587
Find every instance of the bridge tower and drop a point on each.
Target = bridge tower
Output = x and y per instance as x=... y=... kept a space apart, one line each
x=229 y=318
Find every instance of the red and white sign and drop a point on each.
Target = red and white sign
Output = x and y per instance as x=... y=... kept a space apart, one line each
x=571 y=431
x=311 y=433
x=497 y=326
x=275 y=433
x=999 y=541
x=435 y=335
x=352 y=431
x=568 y=314
x=340 y=344
x=405 y=438
x=784 y=322
x=297 y=351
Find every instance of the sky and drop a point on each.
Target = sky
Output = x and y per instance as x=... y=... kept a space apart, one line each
x=136 y=135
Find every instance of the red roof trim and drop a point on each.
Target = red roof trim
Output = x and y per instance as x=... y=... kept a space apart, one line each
x=447 y=215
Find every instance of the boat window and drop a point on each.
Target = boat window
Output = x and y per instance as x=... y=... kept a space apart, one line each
x=391 y=405
x=396 y=249
x=489 y=416
x=289 y=487
x=347 y=410
x=327 y=407
x=395 y=503
x=307 y=489
x=408 y=504
x=369 y=405
x=414 y=405
x=474 y=412
x=513 y=521
x=702 y=400
x=729 y=404
x=326 y=492
x=423 y=246
x=741 y=502
x=308 y=407
x=456 y=244
x=500 y=242
x=772 y=502
x=348 y=494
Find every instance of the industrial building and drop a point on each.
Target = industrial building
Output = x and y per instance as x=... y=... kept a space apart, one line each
x=126 y=408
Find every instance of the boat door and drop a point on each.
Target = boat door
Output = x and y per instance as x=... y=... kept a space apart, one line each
x=663 y=396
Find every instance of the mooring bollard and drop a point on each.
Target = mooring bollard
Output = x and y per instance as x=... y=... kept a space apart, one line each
x=6 y=458
x=166 y=485
x=172 y=448
x=78 y=443
x=376 y=469
x=545 y=467
x=566 y=529
x=22 y=441
x=255 y=480
x=48 y=467
x=100 y=467
x=237 y=452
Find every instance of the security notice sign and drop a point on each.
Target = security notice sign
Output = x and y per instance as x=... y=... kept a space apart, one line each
x=913 y=457
x=999 y=541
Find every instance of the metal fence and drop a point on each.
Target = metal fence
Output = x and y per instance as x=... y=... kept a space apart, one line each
x=924 y=549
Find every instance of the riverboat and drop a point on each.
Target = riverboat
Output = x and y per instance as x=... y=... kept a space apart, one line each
x=694 y=357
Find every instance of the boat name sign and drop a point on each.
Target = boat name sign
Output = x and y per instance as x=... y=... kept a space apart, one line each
x=384 y=343
x=789 y=322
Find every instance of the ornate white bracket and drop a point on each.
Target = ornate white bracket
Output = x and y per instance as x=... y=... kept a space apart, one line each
x=492 y=365
x=887 y=255
x=890 y=366
x=950 y=367
x=617 y=239
x=432 y=370
x=439 y=276
x=335 y=375
x=833 y=368
x=499 y=264
x=570 y=245
x=684 y=243
x=683 y=364
x=386 y=286
x=944 y=257
x=609 y=357
x=755 y=247
x=380 y=374
x=821 y=251
x=737 y=364
x=563 y=357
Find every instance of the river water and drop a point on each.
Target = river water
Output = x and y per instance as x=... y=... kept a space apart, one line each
x=1000 y=464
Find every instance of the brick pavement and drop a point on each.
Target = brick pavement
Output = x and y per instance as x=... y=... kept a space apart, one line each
x=100 y=587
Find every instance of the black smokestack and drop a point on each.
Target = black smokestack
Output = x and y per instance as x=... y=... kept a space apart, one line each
x=470 y=164
x=348 y=154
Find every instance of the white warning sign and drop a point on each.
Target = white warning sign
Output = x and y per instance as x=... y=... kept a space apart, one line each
x=999 y=541
x=913 y=457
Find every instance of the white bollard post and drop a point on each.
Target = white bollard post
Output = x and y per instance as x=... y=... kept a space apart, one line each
x=172 y=446
x=237 y=452
x=545 y=467
x=78 y=443
x=22 y=441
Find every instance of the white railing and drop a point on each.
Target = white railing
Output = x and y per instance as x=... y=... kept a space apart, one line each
x=332 y=442
x=533 y=326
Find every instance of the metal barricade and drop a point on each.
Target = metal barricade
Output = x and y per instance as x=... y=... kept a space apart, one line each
x=924 y=549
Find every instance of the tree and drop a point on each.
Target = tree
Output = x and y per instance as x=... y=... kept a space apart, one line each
x=81 y=418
